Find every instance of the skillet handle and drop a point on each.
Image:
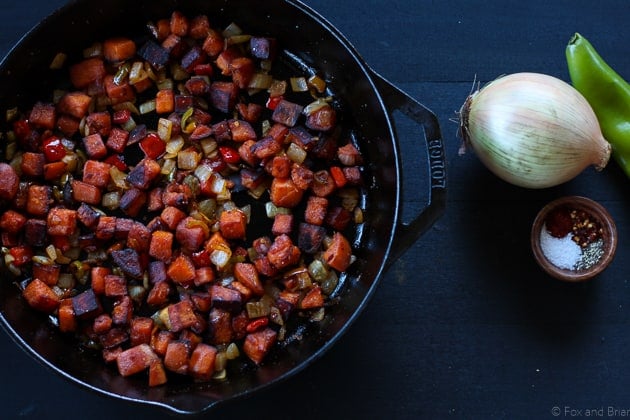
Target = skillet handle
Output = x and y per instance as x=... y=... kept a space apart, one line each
x=406 y=234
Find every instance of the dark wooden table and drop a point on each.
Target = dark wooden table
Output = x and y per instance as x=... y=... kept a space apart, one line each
x=465 y=324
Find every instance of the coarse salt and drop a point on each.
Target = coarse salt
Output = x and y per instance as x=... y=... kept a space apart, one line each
x=561 y=252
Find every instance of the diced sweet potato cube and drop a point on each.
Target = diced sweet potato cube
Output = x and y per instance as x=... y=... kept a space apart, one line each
x=204 y=275
x=118 y=49
x=155 y=54
x=285 y=193
x=175 y=45
x=62 y=222
x=258 y=344
x=122 y=312
x=171 y=216
x=83 y=192
x=102 y=324
x=161 y=245
x=86 y=72
x=157 y=373
x=264 y=267
x=97 y=279
x=144 y=173
x=86 y=305
x=12 y=221
x=10 y=181
x=310 y=237
x=281 y=167
x=233 y=224
x=68 y=125
x=110 y=355
x=165 y=101
x=242 y=70
x=191 y=233
x=140 y=330
x=75 y=104
x=129 y=262
x=179 y=23
x=241 y=131
x=43 y=115
x=160 y=340
x=176 y=357
x=287 y=113
x=54 y=170
x=106 y=227
x=225 y=298
x=322 y=119
x=139 y=237
x=220 y=326
x=98 y=123
x=48 y=273
x=159 y=293
x=338 y=218
x=114 y=338
x=263 y=48
x=115 y=285
x=214 y=43
x=339 y=254
x=282 y=224
x=94 y=146
x=117 y=140
x=283 y=253
x=246 y=273
x=39 y=200
x=96 y=173
x=201 y=363
x=40 y=296
x=266 y=147
x=192 y=58
x=182 y=270
x=133 y=201
x=35 y=232
x=33 y=164
x=323 y=183
x=88 y=216
x=67 y=320
x=316 y=208
x=199 y=27
x=313 y=299
x=223 y=95
x=119 y=93
x=135 y=359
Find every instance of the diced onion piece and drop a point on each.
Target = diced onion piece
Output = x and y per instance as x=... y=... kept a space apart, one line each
x=358 y=215
x=178 y=73
x=317 y=270
x=51 y=251
x=220 y=362
x=203 y=172
x=317 y=83
x=148 y=106
x=315 y=105
x=137 y=73
x=298 y=84
x=58 y=61
x=257 y=309
x=188 y=159
x=238 y=39
x=175 y=145
x=247 y=210
x=208 y=207
x=208 y=146
x=260 y=81
x=111 y=200
x=71 y=160
x=66 y=281
x=39 y=259
x=93 y=50
x=271 y=209
x=329 y=284
x=164 y=128
x=266 y=125
x=129 y=125
x=220 y=258
x=10 y=150
x=119 y=178
x=259 y=190
x=12 y=114
x=277 y=88
x=168 y=166
x=232 y=351
x=232 y=30
x=127 y=105
x=122 y=74
x=349 y=198
x=296 y=153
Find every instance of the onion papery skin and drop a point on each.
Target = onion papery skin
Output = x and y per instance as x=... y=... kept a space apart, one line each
x=533 y=130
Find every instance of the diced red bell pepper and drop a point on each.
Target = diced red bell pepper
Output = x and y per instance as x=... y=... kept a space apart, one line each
x=201 y=258
x=338 y=176
x=229 y=155
x=53 y=149
x=273 y=102
x=118 y=161
x=21 y=255
x=153 y=146
x=217 y=164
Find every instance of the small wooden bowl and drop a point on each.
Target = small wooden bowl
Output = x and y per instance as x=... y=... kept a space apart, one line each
x=609 y=236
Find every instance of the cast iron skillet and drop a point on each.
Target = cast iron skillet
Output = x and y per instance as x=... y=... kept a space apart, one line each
x=368 y=105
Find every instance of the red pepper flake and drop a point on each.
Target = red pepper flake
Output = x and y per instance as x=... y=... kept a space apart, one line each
x=273 y=102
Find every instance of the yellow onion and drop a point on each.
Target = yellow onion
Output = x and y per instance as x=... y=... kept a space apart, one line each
x=533 y=130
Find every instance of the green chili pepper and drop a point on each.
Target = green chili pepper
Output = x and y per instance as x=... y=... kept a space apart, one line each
x=607 y=93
